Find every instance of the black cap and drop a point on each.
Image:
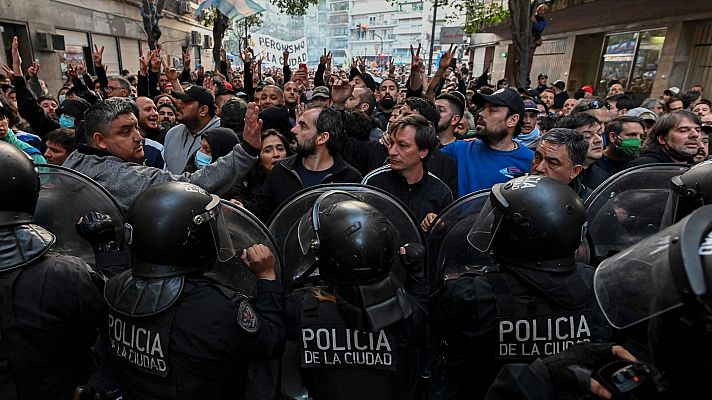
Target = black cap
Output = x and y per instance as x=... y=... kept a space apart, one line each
x=542 y=76
x=503 y=97
x=196 y=93
x=74 y=108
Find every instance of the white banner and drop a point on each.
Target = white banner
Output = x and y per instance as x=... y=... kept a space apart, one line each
x=272 y=50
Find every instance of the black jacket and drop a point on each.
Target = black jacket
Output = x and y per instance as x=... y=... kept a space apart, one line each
x=283 y=181
x=651 y=157
x=429 y=195
x=367 y=156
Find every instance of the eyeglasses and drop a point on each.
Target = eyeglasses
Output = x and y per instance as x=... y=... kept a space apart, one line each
x=595 y=105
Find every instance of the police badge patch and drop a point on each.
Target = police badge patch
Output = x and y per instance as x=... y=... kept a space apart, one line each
x=246 y=317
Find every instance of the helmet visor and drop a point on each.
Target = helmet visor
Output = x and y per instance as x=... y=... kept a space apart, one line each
x=637 y=283
x=308 y=229
x=221 y=234
x=306 y=234
x=483 y=230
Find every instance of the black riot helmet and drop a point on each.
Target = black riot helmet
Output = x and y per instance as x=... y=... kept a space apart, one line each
x=691 y=190
x=531 y=218
x=353 y=240
x=19 y=186
x=176 y=228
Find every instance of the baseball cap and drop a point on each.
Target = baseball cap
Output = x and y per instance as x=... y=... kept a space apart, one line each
x=560 y=84
x=672 y=91
x=503 y=97
x=195 y=93
x=542 y=76
x=587 y=88
x=530 y=106
x=320 y=91
x=643 y=113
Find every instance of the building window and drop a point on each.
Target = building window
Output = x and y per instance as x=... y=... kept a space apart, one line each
x=418 y=7
x=632 y=59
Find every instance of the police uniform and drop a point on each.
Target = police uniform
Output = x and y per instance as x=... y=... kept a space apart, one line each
x=198 y=340
x=340 y=362
x=534 y=301
x=511 y=314
x=177 y=332
x=50 y=310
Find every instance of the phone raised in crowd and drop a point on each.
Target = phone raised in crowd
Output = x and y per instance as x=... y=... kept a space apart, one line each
x=302 y=66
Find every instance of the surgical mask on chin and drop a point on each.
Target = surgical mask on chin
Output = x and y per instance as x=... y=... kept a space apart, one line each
x=202 y=159
x=61 y=98
x=65 y=121
x=628 y=147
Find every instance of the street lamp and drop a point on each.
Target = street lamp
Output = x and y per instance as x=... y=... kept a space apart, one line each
x=382 y=49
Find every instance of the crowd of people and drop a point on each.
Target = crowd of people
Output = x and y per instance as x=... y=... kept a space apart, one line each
x=167 y=145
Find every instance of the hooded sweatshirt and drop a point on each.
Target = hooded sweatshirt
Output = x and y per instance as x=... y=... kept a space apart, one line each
x=31 y=151
x=180 y=144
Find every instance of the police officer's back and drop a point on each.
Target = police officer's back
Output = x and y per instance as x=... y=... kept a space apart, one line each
x=176 y=332
x=50 y=306
x=536 y=301
x=358 y=331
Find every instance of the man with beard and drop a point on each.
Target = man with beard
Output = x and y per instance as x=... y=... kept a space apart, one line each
x=451 y=107
x=196 y=113
x=389 y=93
x=495 y=157
x=150 y=129
x=166 y=117
x=364 y=101
x=320 y=135
x=675 y=138
x=624 y=136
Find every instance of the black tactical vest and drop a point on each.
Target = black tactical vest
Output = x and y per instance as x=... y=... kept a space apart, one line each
x=338 y=362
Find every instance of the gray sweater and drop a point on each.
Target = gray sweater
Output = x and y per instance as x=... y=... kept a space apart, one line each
x=126 y=180
x=180 y=144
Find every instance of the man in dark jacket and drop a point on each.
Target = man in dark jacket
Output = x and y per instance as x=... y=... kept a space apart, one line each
x=320 y=136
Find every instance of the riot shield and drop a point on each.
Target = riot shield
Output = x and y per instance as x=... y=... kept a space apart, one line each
x=65 y=196
x=449 y=252
x=627 y=208
x=284 y=226
x=245 y=230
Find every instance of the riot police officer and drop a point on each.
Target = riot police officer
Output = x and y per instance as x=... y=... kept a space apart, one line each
x=176 y=331
x=664 y=280
x=536 y=300
x=358 y=330
x=50 y=304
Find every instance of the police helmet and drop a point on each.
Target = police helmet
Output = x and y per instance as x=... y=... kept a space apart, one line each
x=19 y=186
x=353 y=240
x=692 y=189
x=531 y=218
x=176 y=228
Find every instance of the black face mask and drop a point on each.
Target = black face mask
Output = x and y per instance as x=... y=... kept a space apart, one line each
x=387 y=102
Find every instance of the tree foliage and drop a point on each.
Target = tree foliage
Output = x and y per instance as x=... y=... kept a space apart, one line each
x=294 y=7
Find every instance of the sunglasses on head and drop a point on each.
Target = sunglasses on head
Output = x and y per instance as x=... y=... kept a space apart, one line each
x=595 y=105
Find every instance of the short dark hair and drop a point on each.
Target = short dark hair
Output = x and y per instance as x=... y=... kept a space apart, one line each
x=101 y=114
x=424 y=108
x=64 y=137
x=369 y=98
x=425 y=136
x=577 y=120
x=576 y=144
x=47 y=97
x=616 y=125
x=664 y=125
x=331 y=120
x=390 y=79
x=357 y=125
x=456 y=103
x=673 y=99
x=623 y=101
x=704 y=101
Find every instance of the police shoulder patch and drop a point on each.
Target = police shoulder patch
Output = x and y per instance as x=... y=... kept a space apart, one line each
x=246 y=317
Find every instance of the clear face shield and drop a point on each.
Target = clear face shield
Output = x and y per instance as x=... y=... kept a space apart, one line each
x=308 y=229
x=485 y=227
x=647 y=279
x=213 y=215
